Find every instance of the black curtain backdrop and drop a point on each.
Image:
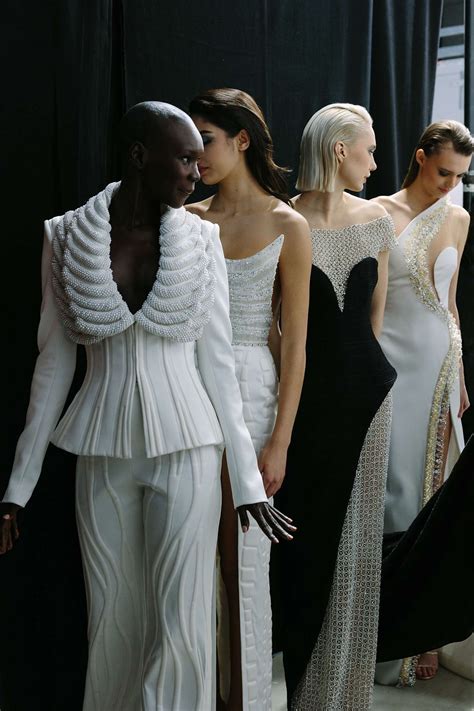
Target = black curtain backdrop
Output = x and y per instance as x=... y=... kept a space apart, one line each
x=70 y=69
x=404 y=56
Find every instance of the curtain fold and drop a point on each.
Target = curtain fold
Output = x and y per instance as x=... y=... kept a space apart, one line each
x=403 y=70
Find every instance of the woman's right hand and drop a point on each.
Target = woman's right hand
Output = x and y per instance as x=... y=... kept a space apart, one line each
x=8 y=526
x=273 y=522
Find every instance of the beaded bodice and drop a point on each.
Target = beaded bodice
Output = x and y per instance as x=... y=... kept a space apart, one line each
x=250 y=294
x=337 y=251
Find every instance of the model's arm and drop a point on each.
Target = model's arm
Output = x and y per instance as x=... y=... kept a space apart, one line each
x=274 y=340
x=380 y=294
x=217 y=367
x=387 y=239
x=462 y=228
x=52 y=378
x=295 y=272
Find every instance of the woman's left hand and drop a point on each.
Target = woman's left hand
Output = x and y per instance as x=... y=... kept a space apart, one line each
x=272 y=464
x=464 y=403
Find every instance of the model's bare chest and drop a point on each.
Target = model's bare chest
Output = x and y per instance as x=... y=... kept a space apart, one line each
x=134 y=263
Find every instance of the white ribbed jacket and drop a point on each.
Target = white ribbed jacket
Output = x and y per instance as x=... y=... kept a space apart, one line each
x=188 y=389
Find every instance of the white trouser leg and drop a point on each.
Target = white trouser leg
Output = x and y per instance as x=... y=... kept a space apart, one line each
x=181 y=513
x=109 y=516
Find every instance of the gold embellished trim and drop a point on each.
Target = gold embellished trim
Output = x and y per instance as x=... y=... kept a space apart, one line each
x=436 y=431
x=416 y=254
x=408 y=672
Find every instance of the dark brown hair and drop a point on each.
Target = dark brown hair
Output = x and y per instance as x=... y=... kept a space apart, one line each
x=437 y=136
x=233 y=110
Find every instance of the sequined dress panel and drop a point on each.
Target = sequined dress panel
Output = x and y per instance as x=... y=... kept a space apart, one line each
x=335 y=481
x=251 y=283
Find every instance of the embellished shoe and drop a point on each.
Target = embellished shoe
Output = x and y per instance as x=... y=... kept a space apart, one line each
x=424 y=672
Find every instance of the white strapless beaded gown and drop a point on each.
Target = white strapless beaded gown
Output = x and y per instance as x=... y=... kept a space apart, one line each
x=422 y=341
x=251 y=282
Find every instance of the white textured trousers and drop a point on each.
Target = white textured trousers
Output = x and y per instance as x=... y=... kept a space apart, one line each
x=148 y=533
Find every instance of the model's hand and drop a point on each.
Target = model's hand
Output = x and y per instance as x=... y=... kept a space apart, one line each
x=464 y=402
x=8 y=526
x=273 y=523
x=272 y=464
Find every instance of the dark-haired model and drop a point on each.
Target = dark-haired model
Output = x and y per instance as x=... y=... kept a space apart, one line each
x=422 y=340
x=268 y=258
x=143 y=285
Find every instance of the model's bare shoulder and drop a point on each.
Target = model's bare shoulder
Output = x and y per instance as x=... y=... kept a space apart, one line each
x=382 y=200
x=391 y=203
x=374 y=210
x=199 y=208
x=366 y=210
x=297 y=239
x=458 y=223
x=290 y=220
x=460 y=215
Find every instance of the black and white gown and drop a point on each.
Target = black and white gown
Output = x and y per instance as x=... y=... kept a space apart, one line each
x=328 y=595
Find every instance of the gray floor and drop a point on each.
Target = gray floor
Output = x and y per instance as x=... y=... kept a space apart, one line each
x=446 y=692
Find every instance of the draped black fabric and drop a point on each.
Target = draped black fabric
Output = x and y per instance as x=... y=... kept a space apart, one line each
x=70 y=70
x=427 y=574
x=465 y=301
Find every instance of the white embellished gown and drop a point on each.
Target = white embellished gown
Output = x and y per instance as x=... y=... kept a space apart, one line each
x=422 y=341
x=251 y=282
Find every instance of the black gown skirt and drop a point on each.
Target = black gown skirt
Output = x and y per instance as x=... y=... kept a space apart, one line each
x=347 y=378
x=427 y=586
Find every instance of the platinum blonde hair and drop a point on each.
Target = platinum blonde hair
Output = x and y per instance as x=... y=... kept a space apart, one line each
x=318 y=161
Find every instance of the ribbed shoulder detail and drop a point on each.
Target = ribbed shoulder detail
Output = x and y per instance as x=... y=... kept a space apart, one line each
x=180 y=302
x=91 y=306
x=88 y=298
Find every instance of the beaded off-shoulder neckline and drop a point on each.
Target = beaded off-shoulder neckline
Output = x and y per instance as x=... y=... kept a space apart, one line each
x=352 y=226
x=337 y=257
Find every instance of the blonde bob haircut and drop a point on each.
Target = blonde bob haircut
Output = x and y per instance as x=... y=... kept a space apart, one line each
x=318 y=160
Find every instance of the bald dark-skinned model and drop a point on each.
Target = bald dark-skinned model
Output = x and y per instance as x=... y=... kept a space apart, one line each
x=142 y=284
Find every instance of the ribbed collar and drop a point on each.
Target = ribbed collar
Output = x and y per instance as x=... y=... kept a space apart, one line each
x=92 y=308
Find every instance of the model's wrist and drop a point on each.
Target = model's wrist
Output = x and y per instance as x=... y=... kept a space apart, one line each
x=279 y=439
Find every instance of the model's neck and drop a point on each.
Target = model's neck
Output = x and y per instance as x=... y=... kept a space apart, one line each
x=327 y=206
x=238 y=191
x=131 y=208
x=418 y=198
